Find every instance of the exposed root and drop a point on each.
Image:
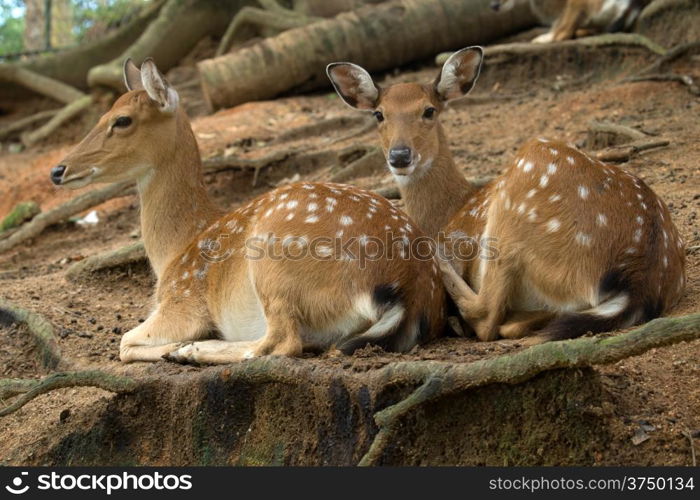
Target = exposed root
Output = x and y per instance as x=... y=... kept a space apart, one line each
x=69 y=112
x=600 y=132
x=440 y=379
x=370 y=162
x=40 y=328
x=625 y=153
x=62 y=212
x=26 y=122
x=321 y=128
x=31 y=389
x=670 y=56
x=41 y=84
x=501 y=53
x=134 y=253
x=686 y=80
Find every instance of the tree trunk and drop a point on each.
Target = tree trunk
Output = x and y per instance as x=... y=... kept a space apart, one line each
x=34 y=25
x=376 y=37
x=178 y=27
x=71 y=66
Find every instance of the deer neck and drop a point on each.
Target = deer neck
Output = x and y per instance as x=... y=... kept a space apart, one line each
x=175 y=206
x=434 y=197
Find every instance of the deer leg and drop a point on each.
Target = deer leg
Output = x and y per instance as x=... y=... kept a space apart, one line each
x=486 y=310
x=281 y=338
x=523 y=323
x=163 y=331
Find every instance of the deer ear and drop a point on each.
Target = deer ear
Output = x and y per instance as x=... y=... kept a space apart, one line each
x=353 y=84
x=158 y=87
x=459 y=73
x=132 y=76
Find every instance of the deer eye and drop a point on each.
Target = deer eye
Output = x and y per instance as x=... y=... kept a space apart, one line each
x=429 y=113
x=122 y=122
x=379 y=116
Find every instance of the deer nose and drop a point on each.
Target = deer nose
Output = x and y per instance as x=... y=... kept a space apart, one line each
x=57 y=174
x=400 y=157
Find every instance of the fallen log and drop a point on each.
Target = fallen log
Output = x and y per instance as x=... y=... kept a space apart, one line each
x=377 y=37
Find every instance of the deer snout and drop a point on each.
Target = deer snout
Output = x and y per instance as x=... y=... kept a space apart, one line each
x=400 y=157
x=57 y=174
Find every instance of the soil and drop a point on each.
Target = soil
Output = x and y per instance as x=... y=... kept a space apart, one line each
x=657 y=392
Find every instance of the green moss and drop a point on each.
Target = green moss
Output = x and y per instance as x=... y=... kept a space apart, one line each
x=22 y=212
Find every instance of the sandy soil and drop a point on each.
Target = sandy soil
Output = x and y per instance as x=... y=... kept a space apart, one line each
x=659 y=388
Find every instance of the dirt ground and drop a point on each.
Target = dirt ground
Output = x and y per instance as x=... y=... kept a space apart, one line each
x=657 y=392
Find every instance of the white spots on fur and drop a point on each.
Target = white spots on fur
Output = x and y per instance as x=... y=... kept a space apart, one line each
x=639 y=220
x=311 y=219
x=289 y=216
x=643 y=205
x=520 y=164
x=631 y=251
x=339 y=233
x=570 y=160
x=601 y=220
x=583 y=192
x=553 y=225
x=284 y=196
x=507 y=203
x=665 y=261
x=474 y=211
x=528 y=166
x=637 y=235
x=312 y=207
x=532 y=215
x=551 y=169
x=292 y=204
x=554 y=198
x=531 y=193
x=554 y=151
x=324 y=251
x=500 y=184
x=268 y=212
x=187 y=293
x=544 y=180
x=522 y=208
x=310 y=187
x=345 y=220
x=583 y=239
x=185 y=275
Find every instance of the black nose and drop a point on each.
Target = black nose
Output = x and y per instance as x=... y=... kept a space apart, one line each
x=57 y=174
x=495 y=5
x=400 y=157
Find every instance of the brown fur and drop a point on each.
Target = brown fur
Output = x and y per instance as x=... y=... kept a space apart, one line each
x=558 y=242
x=211 y=275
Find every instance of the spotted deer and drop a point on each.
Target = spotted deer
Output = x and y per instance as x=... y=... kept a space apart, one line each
x=284 y=273
x=579 y=245
x=574 y=18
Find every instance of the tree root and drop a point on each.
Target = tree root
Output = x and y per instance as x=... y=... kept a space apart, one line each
x=625 y=153
x=370 y=162
x=275 y=19
x=41 y=84
x=686 y=80
x=31 y=390
x=440 y=379
x=134 y=253
x=40 y=328
x=500 y=53
x=316 y=129
x=597 y=128
x=67 y=113
x=19 y=125
x=62 y=212
x=671 y=55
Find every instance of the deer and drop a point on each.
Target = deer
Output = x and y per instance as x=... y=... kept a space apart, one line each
x=282 y=274
x=575 y=18
x=558 y=245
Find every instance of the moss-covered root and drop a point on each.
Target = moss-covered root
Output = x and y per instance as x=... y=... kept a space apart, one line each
x=123 y=256
x=442 y=379
x=32 y=389
x=40 y=328
x=22 y=212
